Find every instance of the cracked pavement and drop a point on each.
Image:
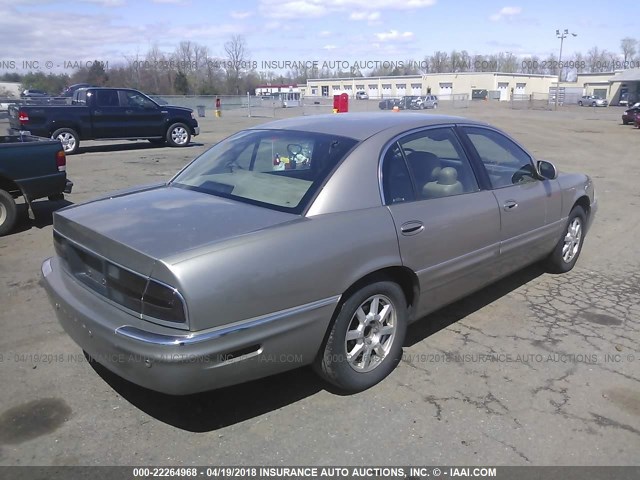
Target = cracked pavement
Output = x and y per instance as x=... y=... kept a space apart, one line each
x=536 y=369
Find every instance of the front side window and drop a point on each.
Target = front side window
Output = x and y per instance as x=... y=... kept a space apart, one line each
x=137 y=100
x=276 y=169
x=506 y=163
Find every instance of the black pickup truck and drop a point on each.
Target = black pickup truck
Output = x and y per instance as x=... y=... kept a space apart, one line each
x=30 y=167
x=106 y=114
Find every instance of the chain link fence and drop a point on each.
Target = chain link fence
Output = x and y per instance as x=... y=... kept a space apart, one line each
x=533 y=101
x=459 y=100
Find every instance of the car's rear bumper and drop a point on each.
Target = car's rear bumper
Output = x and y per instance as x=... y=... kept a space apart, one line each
x=177 y=362
x=196 y=131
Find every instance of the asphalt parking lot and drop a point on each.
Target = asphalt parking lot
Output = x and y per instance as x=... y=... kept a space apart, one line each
x=538 y=369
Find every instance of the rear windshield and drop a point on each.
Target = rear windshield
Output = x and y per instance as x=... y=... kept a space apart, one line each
x=277 y=169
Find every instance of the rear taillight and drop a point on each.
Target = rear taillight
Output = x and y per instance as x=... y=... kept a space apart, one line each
x=61 y=161
x=23 y=117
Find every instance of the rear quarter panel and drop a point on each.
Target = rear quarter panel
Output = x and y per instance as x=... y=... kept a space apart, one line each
x=32 y=166
x=282 y=267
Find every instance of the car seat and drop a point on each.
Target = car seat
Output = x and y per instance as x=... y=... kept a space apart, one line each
x=447 y=184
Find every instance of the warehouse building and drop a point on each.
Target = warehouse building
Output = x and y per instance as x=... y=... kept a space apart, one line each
x=495 y=85
x=619 y=88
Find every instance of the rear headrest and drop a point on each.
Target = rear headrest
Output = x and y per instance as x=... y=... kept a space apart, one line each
x=448 y=176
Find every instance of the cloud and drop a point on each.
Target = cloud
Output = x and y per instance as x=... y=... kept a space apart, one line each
x=324 y=33
x=329 y=47
x=206 y=31
x=105 y=3
x=93 y=36
x=365 y=16
x=506 y=12
x=241 y=15
x=320 y=8
x=394 y=35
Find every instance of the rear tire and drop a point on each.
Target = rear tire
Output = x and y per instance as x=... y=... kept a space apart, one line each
x=365 y=341
x=178 y=135
x=566 y=253
x=8 y=212
x=69 y=139
x=580 y=103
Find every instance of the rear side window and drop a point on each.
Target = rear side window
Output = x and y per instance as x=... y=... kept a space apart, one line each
x=107 y=98
x=81 y=97
x=438 y=164
x=396 y=182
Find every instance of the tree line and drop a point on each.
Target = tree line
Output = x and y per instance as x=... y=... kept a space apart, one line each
x=192 y=69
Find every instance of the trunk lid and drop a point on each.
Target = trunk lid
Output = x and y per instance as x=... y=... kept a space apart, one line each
x=138 y=228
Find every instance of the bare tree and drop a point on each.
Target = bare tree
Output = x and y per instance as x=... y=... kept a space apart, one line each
x=465 y=61
x=440 y=62
x=456 y=62
x=580 y=62
x=425 y=65
x=507 y=62
x=628 y=47
x=237 y=60
x=531 y=65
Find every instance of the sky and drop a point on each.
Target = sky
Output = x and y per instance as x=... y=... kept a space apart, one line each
x=59 y=34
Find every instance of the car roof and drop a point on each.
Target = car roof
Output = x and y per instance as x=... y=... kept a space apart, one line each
x=362 y=125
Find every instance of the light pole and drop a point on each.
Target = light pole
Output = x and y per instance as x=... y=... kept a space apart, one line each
x=561 y=36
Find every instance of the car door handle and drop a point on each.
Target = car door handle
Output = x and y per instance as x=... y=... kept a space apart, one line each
x=412 y=228
x=510 y=205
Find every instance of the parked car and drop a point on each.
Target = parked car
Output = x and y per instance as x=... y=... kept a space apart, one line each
x=32 y=168
x=106 y=113
x=70 y=90
x=405 y=102
x=592 y=101
x=629 y=115
x=311 y=240
x=388 y=103
x=428 y=101
x=31 y=92
x=361 y=95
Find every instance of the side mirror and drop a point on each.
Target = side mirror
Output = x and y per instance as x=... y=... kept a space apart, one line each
x=546 y=170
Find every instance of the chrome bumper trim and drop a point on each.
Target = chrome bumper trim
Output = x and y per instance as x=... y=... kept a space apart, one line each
x=183 y=340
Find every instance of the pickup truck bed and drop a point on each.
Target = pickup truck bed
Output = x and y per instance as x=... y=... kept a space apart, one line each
x=30 y=167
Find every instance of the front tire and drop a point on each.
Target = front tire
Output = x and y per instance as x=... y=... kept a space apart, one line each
x=69 y=139
x=580 y=103
x=566 y=253
x=178 y=135
x=8 y=212
x=365 y=340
